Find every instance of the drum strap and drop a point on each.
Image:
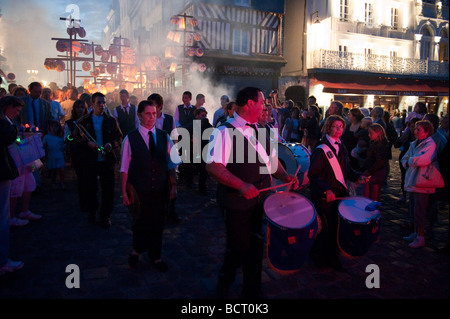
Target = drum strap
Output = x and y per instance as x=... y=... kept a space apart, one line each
x=257 y=146
x=334 y=163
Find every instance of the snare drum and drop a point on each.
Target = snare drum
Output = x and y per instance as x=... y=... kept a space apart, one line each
x=291 y=230
x=358 y=228
x=291 y=155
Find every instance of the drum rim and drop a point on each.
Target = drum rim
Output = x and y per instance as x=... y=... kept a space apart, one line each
x=303 y=196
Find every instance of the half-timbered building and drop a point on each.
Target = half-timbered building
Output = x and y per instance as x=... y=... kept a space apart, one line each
x=242 y=41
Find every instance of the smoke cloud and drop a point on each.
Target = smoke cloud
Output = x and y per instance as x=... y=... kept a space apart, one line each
x=26 y=30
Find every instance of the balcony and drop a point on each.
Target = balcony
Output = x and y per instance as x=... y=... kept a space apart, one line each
x=335 y=60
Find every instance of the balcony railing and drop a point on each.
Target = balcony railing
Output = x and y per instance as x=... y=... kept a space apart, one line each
x=335 y=60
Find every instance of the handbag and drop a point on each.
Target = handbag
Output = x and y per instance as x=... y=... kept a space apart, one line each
x=430 y=177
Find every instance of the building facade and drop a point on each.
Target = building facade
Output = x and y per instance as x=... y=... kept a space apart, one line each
x=378 y=53
x=227 y=44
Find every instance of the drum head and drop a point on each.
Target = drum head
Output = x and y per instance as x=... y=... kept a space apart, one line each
x=354 y=209
x=289 y=210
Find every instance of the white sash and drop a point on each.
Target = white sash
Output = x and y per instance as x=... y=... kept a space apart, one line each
x=257 y=146
x=334 y=163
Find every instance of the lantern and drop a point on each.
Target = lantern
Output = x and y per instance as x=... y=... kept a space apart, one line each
x=86 y=66
x=81 y=32
x=76 y=46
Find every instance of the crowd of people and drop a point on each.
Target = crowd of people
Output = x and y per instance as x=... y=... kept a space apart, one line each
x=141 y=142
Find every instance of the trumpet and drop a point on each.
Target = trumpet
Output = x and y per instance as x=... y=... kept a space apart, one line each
x=84 y=132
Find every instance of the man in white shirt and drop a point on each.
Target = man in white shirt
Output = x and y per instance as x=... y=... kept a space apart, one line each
x=240 y=176
x=148 y=165
x=184 y=113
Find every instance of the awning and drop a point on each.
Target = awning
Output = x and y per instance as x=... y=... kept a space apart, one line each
x=390 y=88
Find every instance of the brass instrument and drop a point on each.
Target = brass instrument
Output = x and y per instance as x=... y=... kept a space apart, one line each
x=84 y=132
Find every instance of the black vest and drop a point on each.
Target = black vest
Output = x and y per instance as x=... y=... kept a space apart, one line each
x=126 y=121
x=167 y=124
x=183 y=119
x=148 y=172
x=248 y=172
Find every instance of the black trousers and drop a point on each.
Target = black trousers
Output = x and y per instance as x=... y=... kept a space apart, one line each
x=148 y=229
x=105 y=172
x=244 y=249
x=325 y=250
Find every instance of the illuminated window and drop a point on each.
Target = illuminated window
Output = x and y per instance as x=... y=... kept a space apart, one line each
x=344 y=10
x=394 y=18
x=443 y=46
x=425 y=48
x=241 y=41
x=368 y=13
x=343 y=49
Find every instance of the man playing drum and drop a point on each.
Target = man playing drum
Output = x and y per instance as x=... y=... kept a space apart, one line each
x=239 y=181
x=328 y=173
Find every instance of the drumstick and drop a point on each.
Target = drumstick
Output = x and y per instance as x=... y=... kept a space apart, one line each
x=273 y=187
x=282 y=185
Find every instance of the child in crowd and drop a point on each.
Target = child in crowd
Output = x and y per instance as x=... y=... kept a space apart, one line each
x=54 y=150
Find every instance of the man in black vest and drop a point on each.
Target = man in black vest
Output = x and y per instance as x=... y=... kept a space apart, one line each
x=126 y=114
x=239 y=182
x=149 y=168
x=184 y=113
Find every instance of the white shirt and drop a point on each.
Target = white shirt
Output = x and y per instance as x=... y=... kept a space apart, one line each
x=173 y=160
x=333 y=143
x=220 y=144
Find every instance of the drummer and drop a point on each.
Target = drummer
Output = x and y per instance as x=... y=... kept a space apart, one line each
x=328 y=173
x=239 y=181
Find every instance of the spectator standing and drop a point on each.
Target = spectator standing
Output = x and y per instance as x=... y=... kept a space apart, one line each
x=10 y=108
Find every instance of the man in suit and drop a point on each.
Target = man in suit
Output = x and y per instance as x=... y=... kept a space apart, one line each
x=240 y=179
x=37 y=111
x=99 y=158
x=328 y=182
